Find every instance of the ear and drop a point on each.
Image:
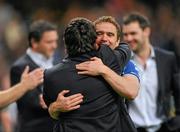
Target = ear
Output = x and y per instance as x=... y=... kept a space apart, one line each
x=34 y=43
x=118 y=41
x=147 y=31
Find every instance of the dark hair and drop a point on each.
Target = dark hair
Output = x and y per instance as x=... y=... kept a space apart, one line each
x=137 y=17
x=37 y=29
x=111 y=20
x=79 y=36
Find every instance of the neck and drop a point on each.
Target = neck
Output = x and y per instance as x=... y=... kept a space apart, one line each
x=144 y=54
x=39 y=53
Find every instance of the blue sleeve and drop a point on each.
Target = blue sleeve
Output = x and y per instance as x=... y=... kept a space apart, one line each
x=131 y=68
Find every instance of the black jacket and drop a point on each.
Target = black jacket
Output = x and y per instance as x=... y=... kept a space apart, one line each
x=168 y=87
x=31 y=116
x=99 y=111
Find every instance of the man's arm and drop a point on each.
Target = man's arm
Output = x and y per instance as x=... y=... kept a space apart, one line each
x=126 y=86
x=115 y=59
x=64 y=104
x=123 y=54
x=28 y=82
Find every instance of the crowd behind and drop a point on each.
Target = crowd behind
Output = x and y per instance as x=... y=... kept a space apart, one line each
x=14 y=22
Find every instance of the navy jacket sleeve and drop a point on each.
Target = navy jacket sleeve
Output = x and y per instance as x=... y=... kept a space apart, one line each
x=115 y=59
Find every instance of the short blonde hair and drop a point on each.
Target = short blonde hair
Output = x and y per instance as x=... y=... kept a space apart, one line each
x=111 y=20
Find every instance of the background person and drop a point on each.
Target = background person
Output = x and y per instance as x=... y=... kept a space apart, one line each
x=43 y=38
x=151 y=110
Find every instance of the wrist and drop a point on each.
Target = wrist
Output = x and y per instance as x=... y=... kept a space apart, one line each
x=22 y=87
x=104 y=70
x=54 y=113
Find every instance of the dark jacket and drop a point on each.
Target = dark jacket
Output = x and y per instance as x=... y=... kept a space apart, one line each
x=31 y=116
x=168 y=87
x=99 y=111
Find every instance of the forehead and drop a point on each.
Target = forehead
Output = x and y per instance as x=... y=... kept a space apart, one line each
x=46 y=34
x=105 y=27
x=133 y=26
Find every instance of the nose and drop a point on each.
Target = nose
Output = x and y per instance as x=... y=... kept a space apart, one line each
x=54 y=45
x=104 y=38
x=127 y=38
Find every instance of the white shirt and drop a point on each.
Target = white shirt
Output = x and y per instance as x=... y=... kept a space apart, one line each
x=40 y=59
x=143 y=109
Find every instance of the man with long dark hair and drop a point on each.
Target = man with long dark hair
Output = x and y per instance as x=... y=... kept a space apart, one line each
x=99 y=110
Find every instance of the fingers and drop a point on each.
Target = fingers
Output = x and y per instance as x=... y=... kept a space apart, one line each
x=42 y=103
x=76 y=102
x=88 y=68
x=83 y=72
x=75 y=96
x=38 y=74
x=34 y=78
x=69 y=103
x=63 y=92
x=74 y=107
x=26 y=70
x=83 y=66
x=94 y=58
x=87 y=64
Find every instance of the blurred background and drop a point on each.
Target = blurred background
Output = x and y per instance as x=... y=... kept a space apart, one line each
x=16 y=15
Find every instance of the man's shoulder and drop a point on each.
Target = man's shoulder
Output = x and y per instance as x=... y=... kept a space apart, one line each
x=22 y=62
x=107 y=55
x=104 y=49
x=130 y=65
x=18 y=66
x=165 y=56
x=131 y=68
x=24 y=59
x=164 y=52
x=56 y=69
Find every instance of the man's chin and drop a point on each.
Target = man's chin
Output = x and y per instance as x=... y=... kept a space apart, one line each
x=49 y=56
x=106 y=44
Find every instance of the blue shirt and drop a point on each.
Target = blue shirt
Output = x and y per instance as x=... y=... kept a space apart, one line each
x=131 y=68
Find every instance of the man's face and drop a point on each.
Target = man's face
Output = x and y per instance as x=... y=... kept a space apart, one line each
x=106 y=34
x=47 y=44
x=134 y=35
